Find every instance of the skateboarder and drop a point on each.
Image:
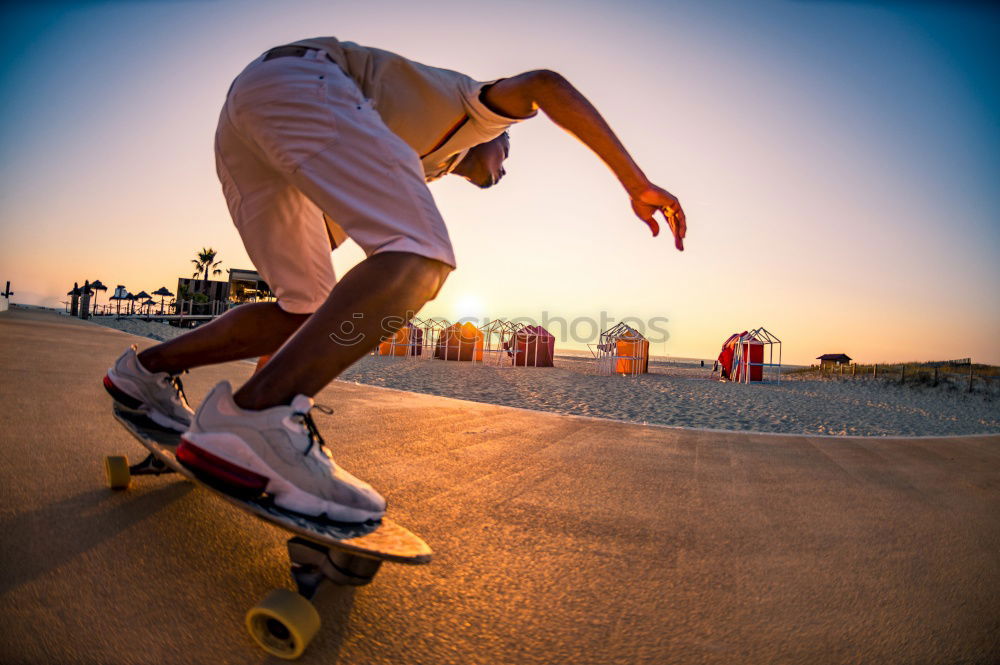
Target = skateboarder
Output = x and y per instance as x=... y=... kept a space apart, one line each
x=319 y=141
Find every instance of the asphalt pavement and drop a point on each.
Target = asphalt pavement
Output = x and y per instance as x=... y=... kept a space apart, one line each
x=557 y=539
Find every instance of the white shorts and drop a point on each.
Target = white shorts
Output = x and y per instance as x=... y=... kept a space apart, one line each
x=297 y=139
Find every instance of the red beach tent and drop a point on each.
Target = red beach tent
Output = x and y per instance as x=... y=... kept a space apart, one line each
x=533 y=346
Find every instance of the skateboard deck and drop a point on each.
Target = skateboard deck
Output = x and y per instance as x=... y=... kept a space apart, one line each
x=320 y=551
x=383 y=540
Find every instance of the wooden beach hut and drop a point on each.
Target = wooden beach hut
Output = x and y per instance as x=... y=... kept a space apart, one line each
x=833 y=359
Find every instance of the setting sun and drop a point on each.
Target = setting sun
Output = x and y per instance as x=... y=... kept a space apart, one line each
x=468 y=306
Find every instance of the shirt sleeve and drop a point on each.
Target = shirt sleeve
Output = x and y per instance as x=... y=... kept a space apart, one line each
x=488 y=120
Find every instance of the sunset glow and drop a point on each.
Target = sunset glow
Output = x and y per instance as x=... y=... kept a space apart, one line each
x=841 y=192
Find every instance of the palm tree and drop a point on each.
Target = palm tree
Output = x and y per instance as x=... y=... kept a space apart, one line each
x=206 y=262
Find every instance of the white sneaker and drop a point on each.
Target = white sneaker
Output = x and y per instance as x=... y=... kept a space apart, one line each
x=160 y=396
x=278 y=451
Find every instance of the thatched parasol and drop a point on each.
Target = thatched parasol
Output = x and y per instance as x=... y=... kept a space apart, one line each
x=163 y=293
x=97 y=286
x=142 y=297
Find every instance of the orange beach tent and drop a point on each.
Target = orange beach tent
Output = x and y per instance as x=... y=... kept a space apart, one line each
x=460 y=341
x=624 y=350
x=406 y=342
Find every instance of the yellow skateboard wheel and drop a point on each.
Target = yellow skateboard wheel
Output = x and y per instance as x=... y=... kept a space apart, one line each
x=116 y=470
x=283 y=623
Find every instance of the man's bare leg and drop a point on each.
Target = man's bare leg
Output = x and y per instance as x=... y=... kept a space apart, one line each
x=382 y=289
x=248 y=331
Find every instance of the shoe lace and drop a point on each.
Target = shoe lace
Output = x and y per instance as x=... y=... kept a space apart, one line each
x=174 y=380
x=305 y=418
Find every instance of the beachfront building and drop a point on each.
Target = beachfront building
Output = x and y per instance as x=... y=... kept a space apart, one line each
x=247 y=286
x=214 y=290
x=215 y=296
x=833 y=359
x=622 y=350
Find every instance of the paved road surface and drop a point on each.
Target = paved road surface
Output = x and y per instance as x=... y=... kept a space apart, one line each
x=558 y=539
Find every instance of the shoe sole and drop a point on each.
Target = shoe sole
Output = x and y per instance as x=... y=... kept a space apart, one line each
x=217 y=472
x=121 y=396
x=225 y=458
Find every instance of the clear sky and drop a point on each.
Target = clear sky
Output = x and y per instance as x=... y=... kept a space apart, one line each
x=838 y=161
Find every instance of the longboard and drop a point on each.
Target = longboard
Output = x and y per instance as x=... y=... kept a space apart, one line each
x=321 y=550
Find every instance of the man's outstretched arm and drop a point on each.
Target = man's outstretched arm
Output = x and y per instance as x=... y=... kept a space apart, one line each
x=520 y=96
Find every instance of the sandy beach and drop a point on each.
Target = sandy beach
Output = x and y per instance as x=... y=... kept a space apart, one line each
x=676 y=394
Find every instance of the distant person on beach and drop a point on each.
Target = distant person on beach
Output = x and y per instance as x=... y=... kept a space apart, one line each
x=320 y=141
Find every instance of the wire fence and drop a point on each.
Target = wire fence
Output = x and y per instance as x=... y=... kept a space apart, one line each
x=961 y=375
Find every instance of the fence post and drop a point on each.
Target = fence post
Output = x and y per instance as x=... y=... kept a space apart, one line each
x=935 y=375
x=970 y=377
x=902 y=373
x=854 y=369
x=875 y=371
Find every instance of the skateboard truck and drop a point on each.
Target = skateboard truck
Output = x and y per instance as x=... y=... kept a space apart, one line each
x=284 y=622
x=151 y=466
x=312 y=563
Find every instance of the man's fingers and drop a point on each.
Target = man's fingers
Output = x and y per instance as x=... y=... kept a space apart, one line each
x=645 y=213
x=676 y=227
x=653 y=225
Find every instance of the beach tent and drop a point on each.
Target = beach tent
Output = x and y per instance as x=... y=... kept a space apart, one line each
x=742 y=356
x=623 y=350
x=407 y=341
x=738 y=351
x=498 y=339
x=459 y=341
x=533 y=346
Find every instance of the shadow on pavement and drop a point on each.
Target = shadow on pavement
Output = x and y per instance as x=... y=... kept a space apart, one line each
x=41 y=540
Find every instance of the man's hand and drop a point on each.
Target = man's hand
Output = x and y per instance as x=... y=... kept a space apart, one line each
x=649 y=200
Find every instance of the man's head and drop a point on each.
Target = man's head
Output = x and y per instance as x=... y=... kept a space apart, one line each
x=483 y=164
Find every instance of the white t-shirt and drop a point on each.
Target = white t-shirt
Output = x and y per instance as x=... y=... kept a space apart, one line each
x=438 y=112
